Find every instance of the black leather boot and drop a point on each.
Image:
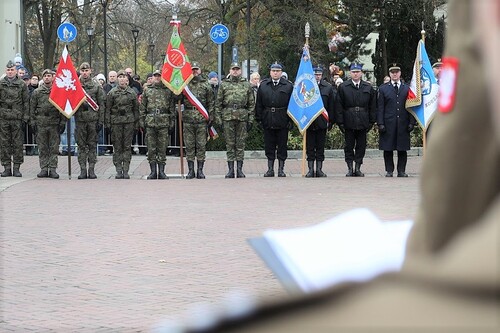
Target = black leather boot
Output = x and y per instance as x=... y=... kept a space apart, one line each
x=161 y=171
x=119 y=172
x=83 y=172
x=310 y=173
x=15 y=171
x=270 y=169
x=91 y=172
x=7 y=172
x=357 y=171
x=350 y=172
x=126 y=167
x=230 y=172
x=43 y=173
x=239 y=171
x=281 y=167
x=53 y=174
x=319 y=171
x=190 y=174
x=199 y=172
x=153 y=174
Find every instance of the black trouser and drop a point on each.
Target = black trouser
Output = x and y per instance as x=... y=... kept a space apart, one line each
x=389 y=162
x=315 y=144
x=355 y=140
x=275 y=140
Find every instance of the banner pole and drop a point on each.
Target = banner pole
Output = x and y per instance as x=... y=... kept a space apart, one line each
x=181 y=144
x=304 y=142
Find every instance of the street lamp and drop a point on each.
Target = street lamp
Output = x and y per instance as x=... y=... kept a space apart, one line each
x=152 y=48
x=135 y=34
x=90 y=33
x=104 y=4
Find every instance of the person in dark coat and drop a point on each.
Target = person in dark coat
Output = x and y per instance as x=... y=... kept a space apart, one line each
x=271 y=107
x=355 y=109
x=394 y=122
x=316 y=132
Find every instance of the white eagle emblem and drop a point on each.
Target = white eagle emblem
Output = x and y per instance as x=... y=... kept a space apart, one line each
x=65 y=80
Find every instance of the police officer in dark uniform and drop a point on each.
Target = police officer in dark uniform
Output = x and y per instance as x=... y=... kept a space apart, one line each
x=355 y=109
x=316 y=132
x=394 y=122
x=271 y=107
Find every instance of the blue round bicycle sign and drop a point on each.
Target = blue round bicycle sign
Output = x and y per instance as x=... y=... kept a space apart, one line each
x=219 y=34
x=66 y=32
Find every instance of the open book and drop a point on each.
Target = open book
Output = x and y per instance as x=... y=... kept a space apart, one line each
x=352 y=247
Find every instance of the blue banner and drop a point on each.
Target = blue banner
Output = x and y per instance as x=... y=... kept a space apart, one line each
x=306 y=103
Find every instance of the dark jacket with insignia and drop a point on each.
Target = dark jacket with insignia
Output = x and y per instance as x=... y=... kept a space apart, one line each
x=271 y=105
x=328 y=97
x=356 y=108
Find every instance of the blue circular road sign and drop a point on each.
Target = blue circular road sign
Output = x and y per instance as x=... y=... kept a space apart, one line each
x=219 y=34
x=66 y=32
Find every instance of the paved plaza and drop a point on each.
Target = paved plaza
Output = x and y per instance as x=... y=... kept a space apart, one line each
x=111 y=255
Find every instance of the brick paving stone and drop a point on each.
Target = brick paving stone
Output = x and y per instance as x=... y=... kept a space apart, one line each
x=111 y=255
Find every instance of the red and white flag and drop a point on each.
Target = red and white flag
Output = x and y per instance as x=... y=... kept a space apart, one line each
x=67 y=93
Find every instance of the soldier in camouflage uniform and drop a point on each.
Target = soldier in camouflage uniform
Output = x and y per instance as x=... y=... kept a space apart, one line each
x=122 y=118
x=157 y=116
x=195 y=125
x=14 y=111
x=48 y=123
x=235 y=115
x=89 y=123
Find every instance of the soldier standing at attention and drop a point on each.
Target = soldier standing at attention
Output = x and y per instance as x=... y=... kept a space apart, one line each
x=235 y=114
x=355 y=109
x=14 y=112
x=316 y=132
x=195 y=124
x=157 y=116
x=394 y=122
x=89 y=119
x=273 y=96
x=122 y=117
x=48 y=124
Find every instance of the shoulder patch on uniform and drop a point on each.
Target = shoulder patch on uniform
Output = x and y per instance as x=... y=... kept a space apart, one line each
x=448 y=84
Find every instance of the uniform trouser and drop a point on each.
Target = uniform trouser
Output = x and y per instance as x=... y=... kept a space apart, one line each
x=121 y=136
x=48 y=139
x=11 y=142
x=355 y=145
x=157 y=139
x=275 y=141
x=389 y=162
x=86 y=139
x=315 y=144
x=195 y=140
x=235 y=133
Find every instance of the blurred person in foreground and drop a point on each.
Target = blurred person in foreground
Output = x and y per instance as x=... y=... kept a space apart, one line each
x=450 y=281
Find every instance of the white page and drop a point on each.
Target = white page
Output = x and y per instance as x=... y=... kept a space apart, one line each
x=354 y=246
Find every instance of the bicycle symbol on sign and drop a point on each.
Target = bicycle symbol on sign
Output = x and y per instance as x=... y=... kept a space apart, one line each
x=219 y=33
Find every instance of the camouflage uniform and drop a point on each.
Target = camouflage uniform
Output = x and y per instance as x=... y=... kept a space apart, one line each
x=195 y=125
x=122 y=117
x=88 y=123
x=49 y=122
x=234 y=111
x=157 y=116
x=14 y=110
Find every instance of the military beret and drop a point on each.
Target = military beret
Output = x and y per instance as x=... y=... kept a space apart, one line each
x=355 y=67
x=47 y=71
x=157 y=72
x=121 y=73
x=394 y=67
x=149 y=75
x=195 y=65
x=84 y=65
x=26 y=77
x=235 y=65
x=276 y=66
x=10 y=64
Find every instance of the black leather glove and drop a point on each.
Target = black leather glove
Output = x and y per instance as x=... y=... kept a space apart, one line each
x=330 y=125
x=369 y=128
x=290 y=125
x=62 y=127
x=411 y=127
x=98 y=127
x=381 y=128
x=342 y=128
x=249 y=126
